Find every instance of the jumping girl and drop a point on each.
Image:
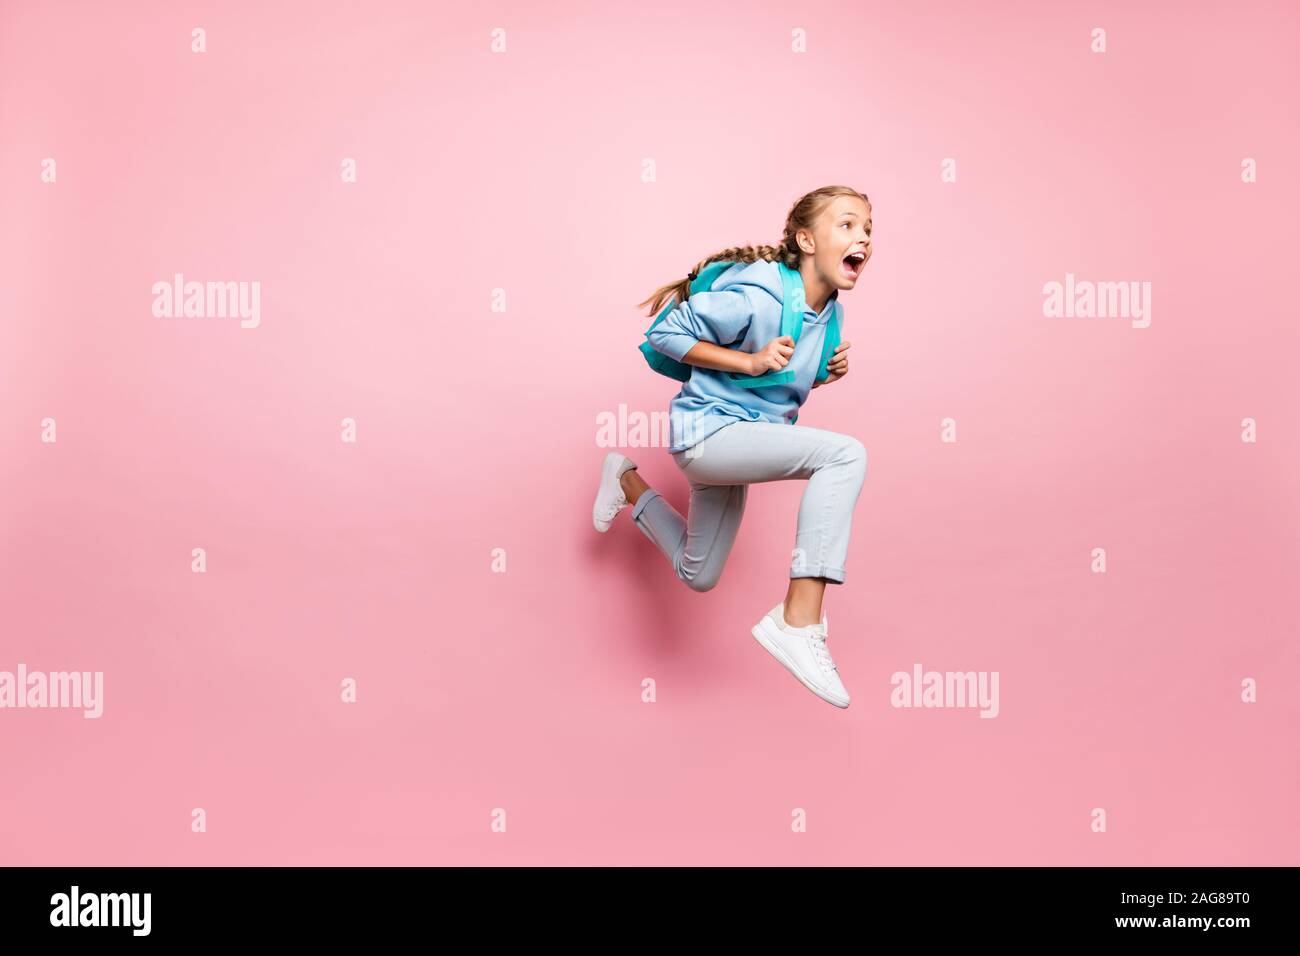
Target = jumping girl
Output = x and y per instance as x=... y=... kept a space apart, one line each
x=725 y=437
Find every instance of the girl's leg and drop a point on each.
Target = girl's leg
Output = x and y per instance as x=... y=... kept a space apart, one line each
x=835 y=467
x=697 y=546
x=803 y=601
x=633 y=485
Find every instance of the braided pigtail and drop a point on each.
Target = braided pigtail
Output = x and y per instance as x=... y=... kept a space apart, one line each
x=681 y=289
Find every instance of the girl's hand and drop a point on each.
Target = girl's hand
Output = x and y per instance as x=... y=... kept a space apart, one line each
x=773 y=356
x=837 y=367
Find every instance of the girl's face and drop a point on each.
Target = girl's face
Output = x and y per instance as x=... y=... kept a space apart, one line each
x=841 y=242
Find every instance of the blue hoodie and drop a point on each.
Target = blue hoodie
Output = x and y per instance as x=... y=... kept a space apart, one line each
x=743 y=311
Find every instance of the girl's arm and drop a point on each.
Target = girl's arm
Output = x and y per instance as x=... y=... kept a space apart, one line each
x=700 y=330
x=707 y=355
x=775 y=355
x=717 y=318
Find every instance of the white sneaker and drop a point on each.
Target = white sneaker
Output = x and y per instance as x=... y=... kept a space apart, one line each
x=610 y=499
x=802 y=650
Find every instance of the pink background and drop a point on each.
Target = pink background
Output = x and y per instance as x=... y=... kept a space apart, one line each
x=476 y=429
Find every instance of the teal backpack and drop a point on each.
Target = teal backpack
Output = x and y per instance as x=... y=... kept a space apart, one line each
x=791 y=324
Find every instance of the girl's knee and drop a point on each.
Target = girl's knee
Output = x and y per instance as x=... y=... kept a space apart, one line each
x=856 y=451
x=854 y=461
x=699 y=579
x=851 y=453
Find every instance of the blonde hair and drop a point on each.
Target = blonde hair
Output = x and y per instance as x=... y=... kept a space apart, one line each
x=802 y=216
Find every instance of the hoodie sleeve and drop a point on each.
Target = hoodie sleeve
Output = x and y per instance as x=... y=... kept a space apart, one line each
x=720 y=317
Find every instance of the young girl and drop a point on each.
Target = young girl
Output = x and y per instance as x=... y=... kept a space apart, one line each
x=725 y=437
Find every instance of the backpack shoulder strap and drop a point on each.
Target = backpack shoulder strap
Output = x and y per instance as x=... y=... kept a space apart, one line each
x=831 y=340
x=793 y=302
x=834 y=328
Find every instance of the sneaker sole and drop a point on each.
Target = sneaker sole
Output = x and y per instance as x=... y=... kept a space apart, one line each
x=759 y=631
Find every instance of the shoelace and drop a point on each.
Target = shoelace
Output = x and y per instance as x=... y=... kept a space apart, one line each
x=820 y=651
x=609 y=512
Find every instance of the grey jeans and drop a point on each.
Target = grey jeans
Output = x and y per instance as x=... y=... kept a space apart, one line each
x=720 y=469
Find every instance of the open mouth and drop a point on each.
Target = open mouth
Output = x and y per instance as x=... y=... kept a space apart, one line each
x=852 y=264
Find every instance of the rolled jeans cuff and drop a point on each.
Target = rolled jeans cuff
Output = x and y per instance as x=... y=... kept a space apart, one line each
x=643 y=501
x=833 y=575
